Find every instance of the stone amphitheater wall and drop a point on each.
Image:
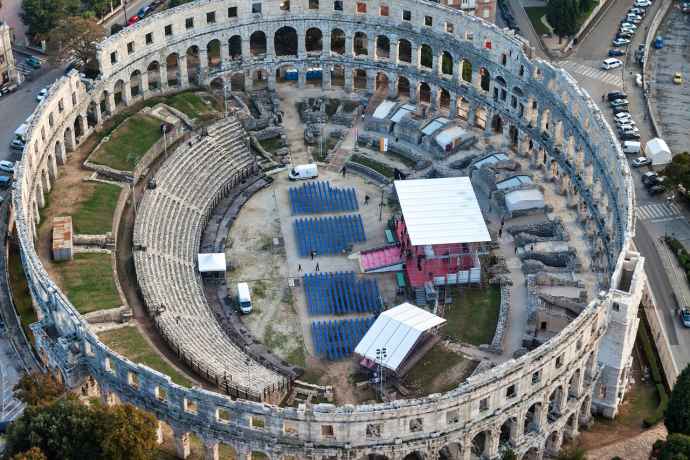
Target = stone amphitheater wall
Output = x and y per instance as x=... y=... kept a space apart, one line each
x=530 y=403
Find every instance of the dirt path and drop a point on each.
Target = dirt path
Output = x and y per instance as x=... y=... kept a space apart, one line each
x=294 y=129
x=636 y=448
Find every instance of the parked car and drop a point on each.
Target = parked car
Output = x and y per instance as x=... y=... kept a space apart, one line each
x=684 y=315
x=649 y=177
x=629 y=136
x=620 y=109
x=656 y=189
x=628 y=25
x=16 y=144
x=616 y=95
x=616 y=53
x=623 y=116
x=619 y=42
x=618 y=102
x=633 y=18
x=625 y=33
x=6 y=166
x=641 y=161
x=42 y=94
x=642 y=3
x=628 y=129
x=133 y=20
x=33 y=62
x=678 y=78
x=611 y=63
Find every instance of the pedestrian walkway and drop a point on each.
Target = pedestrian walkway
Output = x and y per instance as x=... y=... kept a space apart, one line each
x=612 y=77
x=660 y=212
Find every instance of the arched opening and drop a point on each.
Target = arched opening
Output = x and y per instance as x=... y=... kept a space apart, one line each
x=118 y=92
x=68 y=138
x=532 y=454
x=414 y=456
x=466 y=70
x=338 y=75
x=451 y=451
x=571 y=423
x=359 y=78
x=193 y=64
x=383 y=47
x=480 y=445
x=374 y=457
x=153 y=72
x=92 y=114
x=257 y=43
x=313 y=40
x=532 y=419
x=585 y=409
x=426 y=56
x=105 y=110
x=403 y=87
x=217 y=85
x=404 y=51
x=286 y=42
x=59 y=150
x=480 y=115
x=172 y=69
x=513 y=134
x=338 y=41
x=237 y=81
x=258 y=455
x=235 y=47
x=135 y=83
x=360 y=44
x=260 y=79
x=497 y=124
x=213 y=54
x=444 y=99
x=78 y=127
x=590 y=366
x=555 y=400
x=424 y=93
x=508 y=432
x=314 y=76
x=382 y=82
x=287 y=74
x=463 y=110
x=446 y=63
x=485 y=79
x=553 y=443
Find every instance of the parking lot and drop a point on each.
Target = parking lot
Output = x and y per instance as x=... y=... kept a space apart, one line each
x=673 y=100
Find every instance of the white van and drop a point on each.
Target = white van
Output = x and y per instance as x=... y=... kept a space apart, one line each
x=611 y=63
x=244 y=298
x=630 y=147
x=302 y=172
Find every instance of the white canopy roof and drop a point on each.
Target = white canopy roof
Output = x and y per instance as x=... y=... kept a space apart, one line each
x=397 y=330
x=657 y=150
x=521 y=200
x=383 y=109
x=434 y=124
x=441 y=211
x=448 y=136
x=212 y=262
x=402 y=111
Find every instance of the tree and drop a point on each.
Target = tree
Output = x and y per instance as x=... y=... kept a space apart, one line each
x=585 y=6
x=41 y=16
x=572 y=453
x=75 y=36
x=562 y=16
x=130 y=434
x=677 y=417
x=676 y=447
x=508 y=454
x=38 y=389
x=678 y=172
x=32 y=454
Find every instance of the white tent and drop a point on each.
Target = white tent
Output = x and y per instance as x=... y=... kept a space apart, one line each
x=441 y=211
x=451 y=136
x=524 y=200
x=397 y=331
x=657 y=150
x=212 y=262
x=383 y=110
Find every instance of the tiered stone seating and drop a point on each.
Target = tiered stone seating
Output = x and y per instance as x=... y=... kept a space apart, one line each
x=167 y=234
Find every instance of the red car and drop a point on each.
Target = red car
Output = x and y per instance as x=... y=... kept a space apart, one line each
x=133 y=20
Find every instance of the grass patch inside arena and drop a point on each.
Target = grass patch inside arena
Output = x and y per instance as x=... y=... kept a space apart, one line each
x=88 y=282
x=128 y=143
x=129 y=342
x=377 y=166
x=94 y=215
x=439 y=370
x=473 y=315
x=192 y=104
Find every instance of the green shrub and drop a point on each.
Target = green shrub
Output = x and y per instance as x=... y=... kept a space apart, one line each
x=655 y=370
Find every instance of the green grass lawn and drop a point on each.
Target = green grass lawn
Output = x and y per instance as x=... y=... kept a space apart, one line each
x=373 y=164
x=585 y=14
x=20 y=289
x=128 y=143
x=94 y=216
x=425 y=373
x=190 y=103
x=473 y=315
x=272 y=145
x=88 y=282
x=129 y=342
x=535 y=13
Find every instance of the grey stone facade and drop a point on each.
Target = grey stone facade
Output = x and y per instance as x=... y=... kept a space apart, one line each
x=530 y=403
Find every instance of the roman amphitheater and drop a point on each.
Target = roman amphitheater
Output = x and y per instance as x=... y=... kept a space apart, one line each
x=576 y=295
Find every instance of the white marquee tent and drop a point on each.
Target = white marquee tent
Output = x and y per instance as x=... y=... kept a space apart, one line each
x=212 y=262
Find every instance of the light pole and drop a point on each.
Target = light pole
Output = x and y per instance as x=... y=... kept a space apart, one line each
x=381 y=355
x=124 y=10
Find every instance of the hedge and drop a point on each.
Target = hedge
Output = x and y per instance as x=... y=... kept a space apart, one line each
x=681 y=253
x=655 y=369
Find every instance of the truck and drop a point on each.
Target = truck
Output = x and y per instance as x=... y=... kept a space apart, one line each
x=244 y=298
x=303 y=172
x=19 y=139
